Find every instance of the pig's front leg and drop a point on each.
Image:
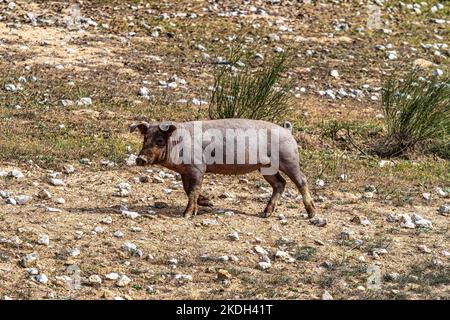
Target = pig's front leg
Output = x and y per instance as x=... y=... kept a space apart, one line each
x=192 y=183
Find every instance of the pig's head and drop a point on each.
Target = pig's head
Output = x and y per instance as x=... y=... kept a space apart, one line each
x=156 y=142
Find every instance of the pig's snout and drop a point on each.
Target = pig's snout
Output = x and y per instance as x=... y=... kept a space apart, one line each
x=141 y=161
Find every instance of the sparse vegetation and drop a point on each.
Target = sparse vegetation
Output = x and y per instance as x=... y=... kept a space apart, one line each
x=416 y=109
x=152 y=44
x=244 y=91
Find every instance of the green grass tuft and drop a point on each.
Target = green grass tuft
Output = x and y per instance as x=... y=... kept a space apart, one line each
x=416 y=109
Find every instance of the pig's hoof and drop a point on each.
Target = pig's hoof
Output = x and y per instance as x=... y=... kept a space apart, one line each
x=188 y=214
x=204 y=202
x=265 y=214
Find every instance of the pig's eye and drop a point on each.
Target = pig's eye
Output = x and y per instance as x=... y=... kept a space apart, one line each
x=160 y=142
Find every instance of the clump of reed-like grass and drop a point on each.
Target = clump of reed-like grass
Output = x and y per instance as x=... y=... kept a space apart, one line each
x=416 y=110
x=246 y=90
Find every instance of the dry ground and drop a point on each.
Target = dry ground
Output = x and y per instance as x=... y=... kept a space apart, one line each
x=108 y=64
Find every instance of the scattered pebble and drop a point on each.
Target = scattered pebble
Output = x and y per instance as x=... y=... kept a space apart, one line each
x=41 y=278
x=319 y=222
x=183 y=278
x=112 y=276
x=68 y=169
x=423 y=248
x=74 y=252
x=444 y=209
x=327 y=296
x=130 y=214
x=16 y=174
x=264 y=265
x=123 y=190
x=123 y=281
x=209 y=222
x=22 y=199
x=29 y=260
x=56 y=182
x=44 y=240
x=95 y=280
x=44 y=194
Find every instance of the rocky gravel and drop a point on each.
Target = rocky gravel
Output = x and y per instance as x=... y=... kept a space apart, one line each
x=97 y=228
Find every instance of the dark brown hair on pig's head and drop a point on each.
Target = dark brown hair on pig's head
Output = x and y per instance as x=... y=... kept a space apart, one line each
x=156 y=139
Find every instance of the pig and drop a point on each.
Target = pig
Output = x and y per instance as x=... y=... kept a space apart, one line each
x=162 y=138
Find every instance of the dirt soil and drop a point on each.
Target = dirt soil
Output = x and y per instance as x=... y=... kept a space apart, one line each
x=361 y=252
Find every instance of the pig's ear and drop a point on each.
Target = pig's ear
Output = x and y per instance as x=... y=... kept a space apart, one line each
x=167 y=128
x=142 y=127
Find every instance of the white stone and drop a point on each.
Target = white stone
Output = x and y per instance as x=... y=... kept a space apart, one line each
x=392 y=55
x=182 y=278
x=44 y=240
x=320 y=183
x=423 y=248
x=107 y=220
x=130 y=214
x=98 y=230
x=379 y=251
x=408 y=225
x=16 y=174
x=144 y=92
x=209 y=222
x=118 y=234
x=261 y=251
x=420 y=221
x=426 y=196
x=86 y=101
x=319 y=222
x=44 y=194
x=346 y=235
x=22 y=199
x=68 y=169
x=384 y=163
x=95 y=279
x=74 y=252
x=327 y=296
x=334 y=74
x=10 y=87
x=444 y=209
x=201 y=47
x=441 y=192
x=264 y=265
x=282 y=255
x=123 y=281
x=129 y=246
x=131 y=160
x=11 y=201
x=112 y=276
x=56 y=182
x=29 y=259
x=234 y=236
x=41 y=278
x=33 y=271
x=438 y=73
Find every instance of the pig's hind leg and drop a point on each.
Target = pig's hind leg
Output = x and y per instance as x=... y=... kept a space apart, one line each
x=278 y=183
x=292 y=170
